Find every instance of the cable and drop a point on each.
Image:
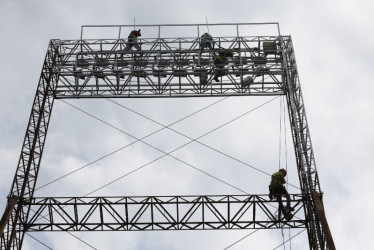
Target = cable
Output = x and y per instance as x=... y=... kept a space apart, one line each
x=241 y=239
x=196 y=140
x=107 y=184
x=165 y=154
x=117 y=150
x=284 y=242
x=192 y=140
x=203 y=144
x=81 y=240
x=66 y=232
x=280 y=150
x=286 y=154
x=39 y=241
x=289 y=239
x=280 y=133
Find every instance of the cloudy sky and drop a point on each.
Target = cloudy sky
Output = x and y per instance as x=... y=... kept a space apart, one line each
x=333 y=43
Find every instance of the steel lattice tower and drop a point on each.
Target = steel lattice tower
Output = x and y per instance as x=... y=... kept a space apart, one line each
x=166 y=67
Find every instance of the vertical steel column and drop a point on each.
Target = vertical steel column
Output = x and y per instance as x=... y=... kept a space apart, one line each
x=28 y=166
x=307 y=171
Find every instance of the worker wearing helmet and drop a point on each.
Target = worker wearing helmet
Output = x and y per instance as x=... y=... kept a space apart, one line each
x=220 y=62
x=206 y=42
x=277 y=190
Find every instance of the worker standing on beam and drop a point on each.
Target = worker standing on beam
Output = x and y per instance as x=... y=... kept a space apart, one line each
x=132 y=40
x=220 y=62
x=206 y=41
x=277 y=190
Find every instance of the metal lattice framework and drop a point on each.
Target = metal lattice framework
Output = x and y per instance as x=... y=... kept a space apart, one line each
x=165 y=67
x=159 y=213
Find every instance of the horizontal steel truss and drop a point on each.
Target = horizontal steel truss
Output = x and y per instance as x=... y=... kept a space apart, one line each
x=168 y=67
x=160 y=213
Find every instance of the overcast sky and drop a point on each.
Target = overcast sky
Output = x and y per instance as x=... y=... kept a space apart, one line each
x=333 y=42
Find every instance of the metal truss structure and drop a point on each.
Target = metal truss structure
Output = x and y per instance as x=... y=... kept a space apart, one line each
x=160 y=213
x=164 y=67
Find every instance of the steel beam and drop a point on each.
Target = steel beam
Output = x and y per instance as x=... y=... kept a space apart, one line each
x=307 y=171
x=168 y=68
x=213 y=212
x=28 y=166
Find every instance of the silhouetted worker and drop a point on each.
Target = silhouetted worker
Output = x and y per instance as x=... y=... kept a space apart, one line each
x=132 y=40
x=206 y=42
x=220 y=62
x=277 y=190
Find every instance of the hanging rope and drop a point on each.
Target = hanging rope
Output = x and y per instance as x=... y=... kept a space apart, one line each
x=286 y=155
x=282 y=123
x=280 y=134
x=284 y=246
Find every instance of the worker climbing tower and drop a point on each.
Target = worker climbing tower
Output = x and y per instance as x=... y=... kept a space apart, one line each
x=165 y=66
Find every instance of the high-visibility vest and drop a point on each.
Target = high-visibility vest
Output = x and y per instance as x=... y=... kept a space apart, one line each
x=277 y=179
x=221 y=57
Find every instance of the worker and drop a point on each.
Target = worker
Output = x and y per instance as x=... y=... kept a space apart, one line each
x=219 y=63
x=132 y=40
x=206 y=42
x=277 y=190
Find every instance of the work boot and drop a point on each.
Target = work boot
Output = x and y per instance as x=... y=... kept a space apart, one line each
x=271 y=196
x=216 y=79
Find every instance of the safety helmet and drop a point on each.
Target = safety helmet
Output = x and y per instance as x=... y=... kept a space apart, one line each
x=283 y=171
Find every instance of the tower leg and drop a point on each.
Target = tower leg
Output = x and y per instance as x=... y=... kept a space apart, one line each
x=28 y=165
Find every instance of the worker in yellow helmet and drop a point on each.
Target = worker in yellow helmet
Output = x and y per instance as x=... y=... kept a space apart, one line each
x=277 y=190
